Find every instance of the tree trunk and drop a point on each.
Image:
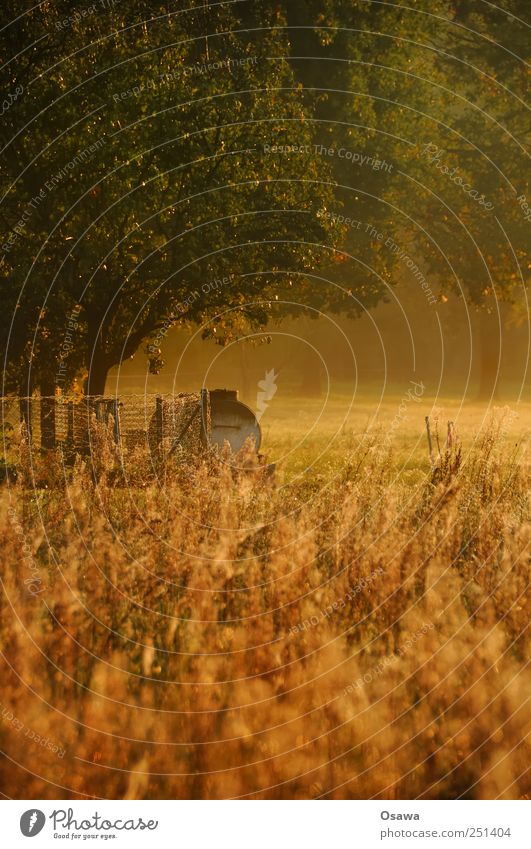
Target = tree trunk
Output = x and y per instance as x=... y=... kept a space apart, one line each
x=98 y=371
x=489 y=356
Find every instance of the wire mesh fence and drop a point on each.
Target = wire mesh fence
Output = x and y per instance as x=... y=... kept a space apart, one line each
x=164 y=424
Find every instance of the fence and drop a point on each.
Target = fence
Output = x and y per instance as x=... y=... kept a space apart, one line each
x=165 y=423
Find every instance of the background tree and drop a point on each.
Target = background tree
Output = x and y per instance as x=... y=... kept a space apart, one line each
x=471 y=173
x=392 y=81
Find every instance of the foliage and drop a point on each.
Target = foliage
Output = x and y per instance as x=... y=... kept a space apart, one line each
x=183 y=191
x=176 y=192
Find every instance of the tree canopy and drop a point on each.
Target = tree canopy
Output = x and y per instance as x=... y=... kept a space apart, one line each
x=196 y=165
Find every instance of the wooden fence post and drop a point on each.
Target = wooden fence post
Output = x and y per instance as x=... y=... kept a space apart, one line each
x=47 y=404
x=100 y=407
x=82 y=425
x=70 y=423
x=450 y=435
x=25 y=407
x=428 y=432
x=159 y=424
x=204 y=426
x=114 y=407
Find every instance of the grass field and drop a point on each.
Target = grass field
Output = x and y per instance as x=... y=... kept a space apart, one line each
x=349 y=628
x=318 y=433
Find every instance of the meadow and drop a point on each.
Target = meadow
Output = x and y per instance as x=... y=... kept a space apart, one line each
x=351 y=626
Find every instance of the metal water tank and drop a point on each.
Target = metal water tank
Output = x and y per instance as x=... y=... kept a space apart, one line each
x=232 y=421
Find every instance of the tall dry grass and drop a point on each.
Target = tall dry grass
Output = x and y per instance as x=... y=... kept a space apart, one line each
x=211 y=634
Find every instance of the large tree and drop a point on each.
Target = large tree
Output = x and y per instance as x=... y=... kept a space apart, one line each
x=210 y=128
x=137 y=158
